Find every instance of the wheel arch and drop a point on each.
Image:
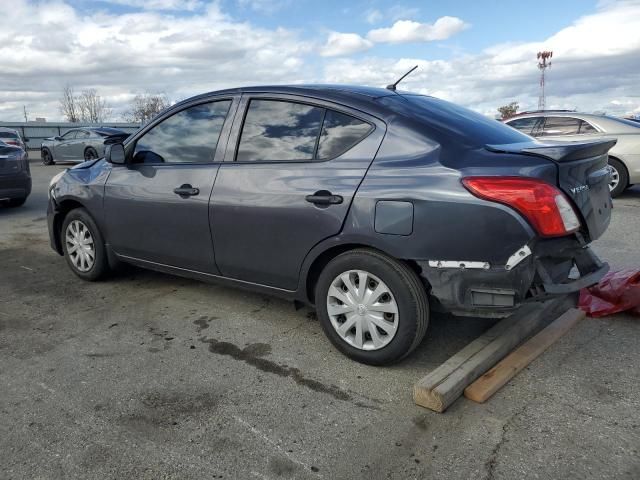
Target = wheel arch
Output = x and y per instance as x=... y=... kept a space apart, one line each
x=63 y=208
x=324 y=256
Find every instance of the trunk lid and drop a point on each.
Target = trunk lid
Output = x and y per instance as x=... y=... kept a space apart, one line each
x=583 y=175
x=10 y=161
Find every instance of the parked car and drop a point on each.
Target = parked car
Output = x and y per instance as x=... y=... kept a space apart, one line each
x=12 y=137
x=15 y=175
x=624 y=157
x=373 y=205
x=79 y=144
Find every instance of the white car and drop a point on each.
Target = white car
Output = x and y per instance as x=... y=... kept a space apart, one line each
x=624 y=157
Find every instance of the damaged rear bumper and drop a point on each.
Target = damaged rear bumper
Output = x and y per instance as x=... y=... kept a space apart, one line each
x=536 y=272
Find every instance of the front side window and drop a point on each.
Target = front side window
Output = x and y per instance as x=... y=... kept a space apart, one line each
x=560 y=126
x=71 y=134
x=525 y=125
x=189 y=136
x=277 y=130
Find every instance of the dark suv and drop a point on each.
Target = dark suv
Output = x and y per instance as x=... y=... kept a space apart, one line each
x=371 y=204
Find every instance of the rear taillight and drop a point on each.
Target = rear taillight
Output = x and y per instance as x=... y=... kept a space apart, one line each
x=542 y=204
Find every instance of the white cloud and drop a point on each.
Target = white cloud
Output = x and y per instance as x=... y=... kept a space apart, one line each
x=344 y=44
x=404 y=31
x=188 y=5
x=373 y=16
x=589 y=69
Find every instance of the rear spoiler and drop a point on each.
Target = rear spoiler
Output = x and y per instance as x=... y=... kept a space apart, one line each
x=115 y=138
x=557 y=151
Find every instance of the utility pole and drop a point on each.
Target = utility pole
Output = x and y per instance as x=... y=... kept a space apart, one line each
x=543 y=65
x=24 y=109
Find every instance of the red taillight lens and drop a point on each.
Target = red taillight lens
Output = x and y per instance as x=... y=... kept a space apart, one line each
x=543 y=205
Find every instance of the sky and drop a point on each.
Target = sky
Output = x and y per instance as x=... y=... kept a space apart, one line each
x=480 y=54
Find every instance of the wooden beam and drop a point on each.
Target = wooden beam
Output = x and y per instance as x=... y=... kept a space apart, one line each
x=489 y=383
x=446 y=383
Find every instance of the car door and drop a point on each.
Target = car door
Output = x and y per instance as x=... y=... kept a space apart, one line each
x=156 y=205
x=76 y=148
x=64 y=145
x=291 y=170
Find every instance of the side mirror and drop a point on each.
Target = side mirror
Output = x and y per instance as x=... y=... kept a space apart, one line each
x=25 y=139
x=57 y=138
x=114 y=154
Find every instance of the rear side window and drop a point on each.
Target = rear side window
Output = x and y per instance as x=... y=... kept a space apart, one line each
x=560 y=126
x=525 y=125
x=339 y=133
x=189 y=136
x=276 y=130
x=586 y=127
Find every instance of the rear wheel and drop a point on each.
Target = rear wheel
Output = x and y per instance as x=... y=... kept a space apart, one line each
x=47 y=158
x=373 y=308
x=83 y=245
x=90 y=154
x=619 y=178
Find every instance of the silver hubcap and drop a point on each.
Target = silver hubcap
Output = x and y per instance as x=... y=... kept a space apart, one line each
x=80 y=246
x=362 y=310
x=614 y=178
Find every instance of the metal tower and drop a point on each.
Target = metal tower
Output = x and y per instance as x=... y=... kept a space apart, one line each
x=543 y=65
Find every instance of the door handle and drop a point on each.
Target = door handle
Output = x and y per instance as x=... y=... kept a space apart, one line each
x=324 y=197
x=186 y=190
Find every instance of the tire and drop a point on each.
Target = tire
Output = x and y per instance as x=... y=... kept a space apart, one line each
x=90 y=153
x=618 y=173
x=16 y=202
x=47 y=158
x=79 y=221
x=404 y=329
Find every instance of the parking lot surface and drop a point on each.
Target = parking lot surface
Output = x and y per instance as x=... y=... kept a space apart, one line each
x=152 y=376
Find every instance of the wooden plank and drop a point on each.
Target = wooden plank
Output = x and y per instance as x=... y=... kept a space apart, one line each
x=443 y=386
x=489 y=383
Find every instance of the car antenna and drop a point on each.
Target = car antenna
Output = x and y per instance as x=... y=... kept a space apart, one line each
x=393 y=86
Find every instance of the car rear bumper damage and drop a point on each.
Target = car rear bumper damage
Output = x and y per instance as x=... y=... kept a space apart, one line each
x=533 y=273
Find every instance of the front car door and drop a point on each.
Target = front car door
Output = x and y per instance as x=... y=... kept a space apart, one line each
x=156 y=206
x=76 y=149
x=62 y=149
x=291 y=170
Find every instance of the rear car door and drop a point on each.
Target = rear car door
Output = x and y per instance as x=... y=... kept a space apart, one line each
x=156 y=205
x=291 y=170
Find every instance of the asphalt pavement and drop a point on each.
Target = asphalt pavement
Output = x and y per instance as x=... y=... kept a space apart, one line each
x=151 y=376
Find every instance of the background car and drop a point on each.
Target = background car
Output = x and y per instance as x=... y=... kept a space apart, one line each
x=563 y=125
x=12 y=137
x=79 y=144
x=15 y=176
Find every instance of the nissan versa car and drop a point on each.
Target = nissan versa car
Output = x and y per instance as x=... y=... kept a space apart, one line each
x=79 y=144
x=373 y=205
x=624 y=157
x=15 y=175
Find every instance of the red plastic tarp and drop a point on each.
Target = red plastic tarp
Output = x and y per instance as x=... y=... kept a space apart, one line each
x=618 y=291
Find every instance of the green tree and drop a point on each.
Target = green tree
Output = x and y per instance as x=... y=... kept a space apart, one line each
x=508 y=111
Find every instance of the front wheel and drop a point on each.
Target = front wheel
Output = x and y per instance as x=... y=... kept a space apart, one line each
x=373 y=308
x=83 y=245
x=618 y=177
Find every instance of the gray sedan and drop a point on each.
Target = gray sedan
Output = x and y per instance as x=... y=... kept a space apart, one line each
x=79 y=144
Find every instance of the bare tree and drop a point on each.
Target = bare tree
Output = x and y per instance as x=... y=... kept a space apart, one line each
x=508 y=111
x=145 y=106
x=69 y=105
x=93 y=108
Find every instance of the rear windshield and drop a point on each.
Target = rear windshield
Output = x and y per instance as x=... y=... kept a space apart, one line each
x=8 y=134
x=442 y=115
